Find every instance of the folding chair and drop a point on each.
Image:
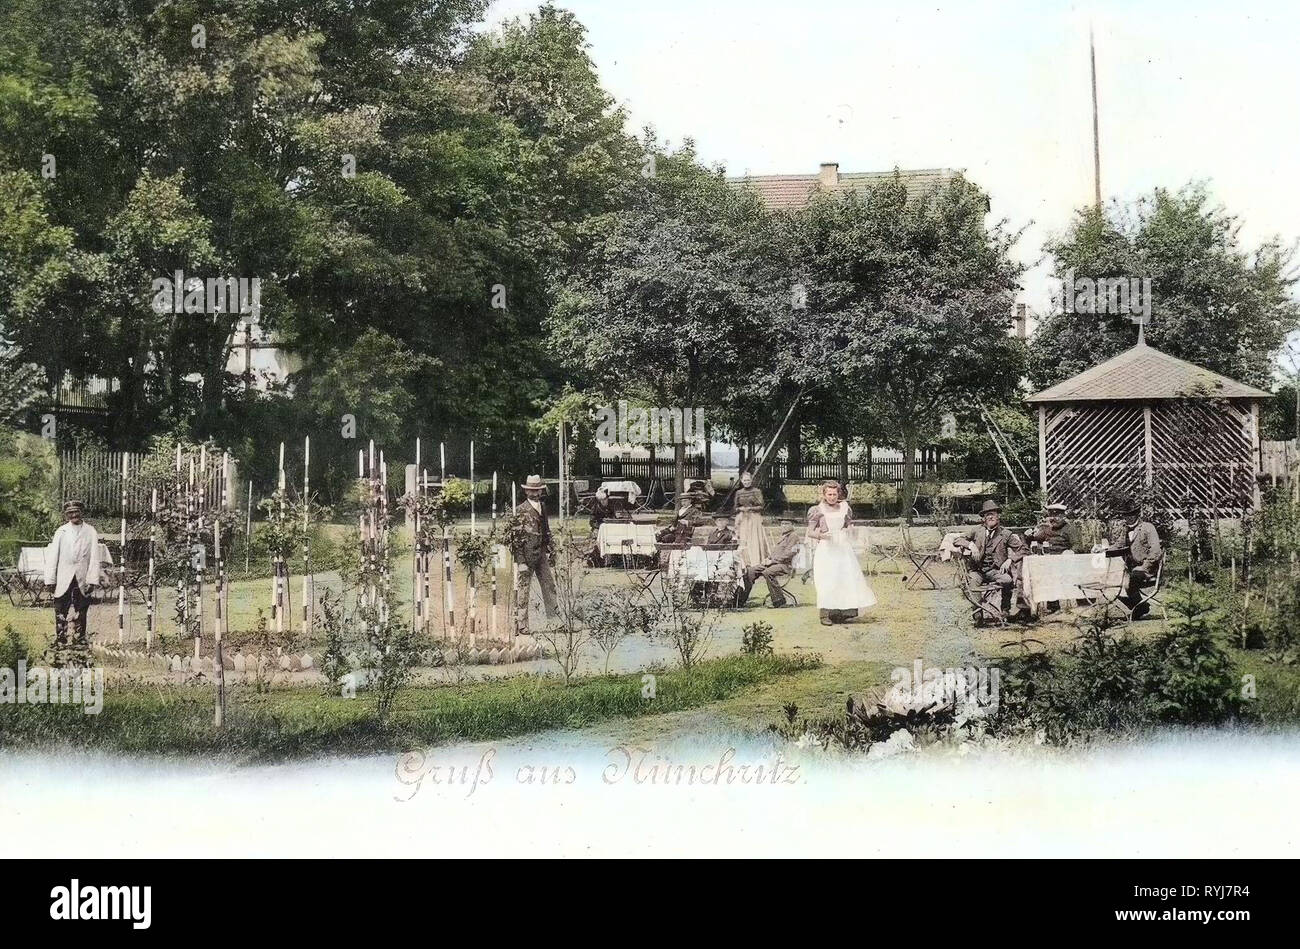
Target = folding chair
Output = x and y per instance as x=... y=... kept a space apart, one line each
x=784 y=584
x=885 y=551
x=1110 y=595
x=978 y=596
x=921 y=561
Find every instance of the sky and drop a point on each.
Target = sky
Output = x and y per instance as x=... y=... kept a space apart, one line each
x=1188 y=92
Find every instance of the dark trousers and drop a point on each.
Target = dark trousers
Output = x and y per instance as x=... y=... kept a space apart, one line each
x=1132 y=598
x=1005 y=581
x=71 y=608
x=772 y=573
x=541 y=568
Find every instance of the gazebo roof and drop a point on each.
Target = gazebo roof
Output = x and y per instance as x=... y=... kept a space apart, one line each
x=1145 y=374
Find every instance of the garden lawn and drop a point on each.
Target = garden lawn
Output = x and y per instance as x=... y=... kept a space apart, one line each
x=289 y=723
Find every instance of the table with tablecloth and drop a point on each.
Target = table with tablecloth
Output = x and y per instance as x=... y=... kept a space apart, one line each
x=1053 y=577
x=31 y=560
x=701 y=565
x=611 y=535
x=630 y=488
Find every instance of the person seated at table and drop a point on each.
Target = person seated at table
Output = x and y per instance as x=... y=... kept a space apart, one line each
x=722 y=534
x=986 y=551
x=778 y=563
x=1014 y=567
x=602 y=510
x=1142 y=553
x=1057 y=533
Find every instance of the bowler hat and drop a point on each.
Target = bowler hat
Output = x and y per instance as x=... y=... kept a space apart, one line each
x=1127 y=506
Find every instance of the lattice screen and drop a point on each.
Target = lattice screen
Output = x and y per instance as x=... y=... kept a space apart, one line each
x=1201 y=453
x=1095 y=453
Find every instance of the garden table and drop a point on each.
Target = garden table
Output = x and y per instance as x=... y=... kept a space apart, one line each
x=1053 y=577
x=612 y=536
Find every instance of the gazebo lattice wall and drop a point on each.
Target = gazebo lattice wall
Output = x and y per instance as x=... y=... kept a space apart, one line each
x=1147 y=424
x=1190 y=453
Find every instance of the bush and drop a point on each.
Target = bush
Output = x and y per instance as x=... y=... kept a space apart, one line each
x=1193 y=679
x=12 y=649
x=756 y=639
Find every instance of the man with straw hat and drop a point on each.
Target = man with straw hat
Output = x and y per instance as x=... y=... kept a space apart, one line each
x=534 y=552
x=72 y=573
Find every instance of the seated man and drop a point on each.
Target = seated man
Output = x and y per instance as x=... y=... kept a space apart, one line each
x=1014 y=566
x=986 y=552
x=723 y=534
x=778 y=563
x=1057 y=533
x=601 y=510
x=1142 y=552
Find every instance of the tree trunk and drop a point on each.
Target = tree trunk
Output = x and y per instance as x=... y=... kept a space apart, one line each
x=909 y=453
x=679 y=467
x=844 y=460
x=794 y=450
x=708 y=454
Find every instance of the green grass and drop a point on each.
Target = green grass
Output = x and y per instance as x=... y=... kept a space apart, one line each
x=177 y=720
x=1277 y=687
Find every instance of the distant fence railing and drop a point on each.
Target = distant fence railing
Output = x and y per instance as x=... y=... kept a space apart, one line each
x=858 y=471
x=644 y=470
x=94 y=477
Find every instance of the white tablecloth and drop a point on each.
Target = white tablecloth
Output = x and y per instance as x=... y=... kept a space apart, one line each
x=31 y=560
x=611 y=534
x=631 y=488
x=698 y=565
x=1050 y=577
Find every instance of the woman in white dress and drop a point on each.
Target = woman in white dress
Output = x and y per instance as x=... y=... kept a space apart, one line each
x=842 y=589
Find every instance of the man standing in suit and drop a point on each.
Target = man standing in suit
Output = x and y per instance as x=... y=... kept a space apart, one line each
x=987 y=552
x=1142 y=555
x=534 y=553
x=72 y=573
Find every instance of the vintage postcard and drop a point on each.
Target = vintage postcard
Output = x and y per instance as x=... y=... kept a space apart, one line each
x=452 y=428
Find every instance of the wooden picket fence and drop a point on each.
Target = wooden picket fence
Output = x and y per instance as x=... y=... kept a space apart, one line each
x=94 y=477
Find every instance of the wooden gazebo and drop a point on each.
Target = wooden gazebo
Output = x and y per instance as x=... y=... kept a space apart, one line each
x=1147 y=423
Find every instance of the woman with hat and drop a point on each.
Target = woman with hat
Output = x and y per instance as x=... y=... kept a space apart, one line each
x=842 y=588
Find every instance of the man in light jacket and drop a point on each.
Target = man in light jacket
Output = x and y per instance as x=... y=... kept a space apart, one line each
x=72 y=573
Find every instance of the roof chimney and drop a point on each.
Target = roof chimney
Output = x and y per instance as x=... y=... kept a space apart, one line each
x=829 y=175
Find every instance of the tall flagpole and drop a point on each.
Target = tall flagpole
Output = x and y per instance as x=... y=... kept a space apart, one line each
x=1096 y=139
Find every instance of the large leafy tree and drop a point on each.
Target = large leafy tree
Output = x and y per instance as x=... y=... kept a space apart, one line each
x=380 y=168
x=673 y=305
x=1215 y=303
x=912 y=298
